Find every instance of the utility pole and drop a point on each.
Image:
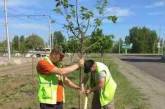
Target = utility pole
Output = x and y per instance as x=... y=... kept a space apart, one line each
x=6 y=30
x=50 y=33
x=163 y=47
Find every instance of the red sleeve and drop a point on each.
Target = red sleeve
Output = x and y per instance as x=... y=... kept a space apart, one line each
x=44 y=67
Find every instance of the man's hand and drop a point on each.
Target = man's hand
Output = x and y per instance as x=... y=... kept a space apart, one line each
x=82 y=89
x=88 y=91
x=81 y=62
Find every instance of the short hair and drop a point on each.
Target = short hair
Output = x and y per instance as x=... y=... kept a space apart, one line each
x=87 y=65
x=55 y=51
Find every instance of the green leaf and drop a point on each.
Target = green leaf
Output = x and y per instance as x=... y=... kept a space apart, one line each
x=73 y=12
x=98 y=22
x=82 y=8
x=112 y=18
x=65 y=3
x=87 y=15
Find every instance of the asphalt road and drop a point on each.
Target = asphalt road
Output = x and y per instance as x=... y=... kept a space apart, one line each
x=152 y=65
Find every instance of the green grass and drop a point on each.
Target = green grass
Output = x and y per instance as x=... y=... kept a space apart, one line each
x=17 y=92
x=22 y=89
x=127 y=95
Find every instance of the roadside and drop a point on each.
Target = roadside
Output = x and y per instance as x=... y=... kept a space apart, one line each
x=127 y=95
x=153 y=65
x=153 y=88
x=18 y=88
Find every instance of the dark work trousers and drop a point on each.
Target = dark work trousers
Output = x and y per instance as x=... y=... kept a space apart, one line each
x=51 y=106
x=96 y=100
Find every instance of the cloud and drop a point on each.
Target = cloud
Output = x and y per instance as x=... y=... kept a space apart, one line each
x=16 y=3
x=17 y=6
x=20 y=6
x=155 y=13
x=156 y=4
x=120 y=12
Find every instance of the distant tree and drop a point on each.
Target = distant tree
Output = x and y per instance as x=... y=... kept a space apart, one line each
x=117 y=46
x=34 y=41
x=143 y=39
x=23 y=48
x=16 y=43
x=102 y=43
x=3 y=46
x=107 y=43
x=73 y=45
x=58 y=39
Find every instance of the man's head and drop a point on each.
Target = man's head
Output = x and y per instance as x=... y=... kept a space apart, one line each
x=90 y=66
x=56 y=55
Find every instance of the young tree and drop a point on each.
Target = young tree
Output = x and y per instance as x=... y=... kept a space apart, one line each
x=80 y=19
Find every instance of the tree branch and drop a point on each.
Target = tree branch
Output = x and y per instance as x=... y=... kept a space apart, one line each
x=77 y=19
x=87 y=27
x=71 y=29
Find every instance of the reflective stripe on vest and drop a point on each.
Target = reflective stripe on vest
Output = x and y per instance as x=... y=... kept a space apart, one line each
x=108 y=91
x=60 y=86
x=47 y=92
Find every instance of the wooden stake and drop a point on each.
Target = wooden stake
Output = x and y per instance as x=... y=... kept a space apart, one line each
x=86 y=102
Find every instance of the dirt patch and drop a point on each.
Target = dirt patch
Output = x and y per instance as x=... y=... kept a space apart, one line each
x=153 y=88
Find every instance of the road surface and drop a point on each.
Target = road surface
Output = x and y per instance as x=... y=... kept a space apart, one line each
x=147 y=75
x=152 y=65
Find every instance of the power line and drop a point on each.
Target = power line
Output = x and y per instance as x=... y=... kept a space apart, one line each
x=50 y=21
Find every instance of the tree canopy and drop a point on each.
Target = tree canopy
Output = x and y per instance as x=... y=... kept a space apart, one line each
x=80 y=19
x=143 y=39
x=34 y=41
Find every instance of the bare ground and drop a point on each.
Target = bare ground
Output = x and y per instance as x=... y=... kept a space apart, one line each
x=152 y=87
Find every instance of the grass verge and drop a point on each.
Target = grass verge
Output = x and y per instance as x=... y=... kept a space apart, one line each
x=19 y=92
x=127 y=96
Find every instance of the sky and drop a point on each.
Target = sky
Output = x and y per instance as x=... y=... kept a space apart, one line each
x=149 y=13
